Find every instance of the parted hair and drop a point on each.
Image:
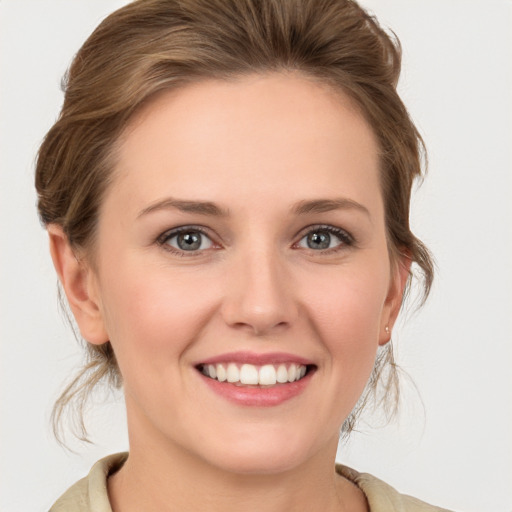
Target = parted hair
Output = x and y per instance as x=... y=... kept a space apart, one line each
x=150 y=46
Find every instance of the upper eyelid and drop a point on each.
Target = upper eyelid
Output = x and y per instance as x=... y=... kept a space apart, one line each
x=169 y=233
x=328 y=227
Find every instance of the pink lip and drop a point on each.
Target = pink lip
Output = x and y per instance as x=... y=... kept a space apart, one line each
x=255 y=396
x=256 y=359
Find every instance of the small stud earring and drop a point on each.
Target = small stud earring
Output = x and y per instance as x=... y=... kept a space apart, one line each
x=386 y=329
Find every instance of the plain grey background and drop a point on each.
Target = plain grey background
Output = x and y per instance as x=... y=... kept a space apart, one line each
x=455 y=450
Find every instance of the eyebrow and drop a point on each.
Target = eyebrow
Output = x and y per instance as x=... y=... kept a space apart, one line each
x=199 y=207
x=327 y=205
x=211 y=209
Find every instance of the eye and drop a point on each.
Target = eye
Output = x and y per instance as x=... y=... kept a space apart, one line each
x=321 y=238
x=185 y=239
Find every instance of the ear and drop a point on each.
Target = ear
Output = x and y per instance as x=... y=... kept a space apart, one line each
x=400 y=274
x=80 y=286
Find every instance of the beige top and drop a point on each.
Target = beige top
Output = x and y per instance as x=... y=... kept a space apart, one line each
x=90 y=493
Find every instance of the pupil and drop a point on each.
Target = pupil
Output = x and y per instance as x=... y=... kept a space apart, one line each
x=319 y=240
x=189 y=241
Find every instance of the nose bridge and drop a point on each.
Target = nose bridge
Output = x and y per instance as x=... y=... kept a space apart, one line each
x=259 y=290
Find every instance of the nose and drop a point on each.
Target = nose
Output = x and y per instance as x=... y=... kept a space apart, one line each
x=259 y=294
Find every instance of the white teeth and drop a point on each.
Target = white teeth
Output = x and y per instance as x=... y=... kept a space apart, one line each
x=233 y=374
x=267 y=375
x=249 y=374
x=221 y=373
x=282 y=374
x=292 y=373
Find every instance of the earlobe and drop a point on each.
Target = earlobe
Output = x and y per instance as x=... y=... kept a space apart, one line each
x=398 y=282
x=77 y=280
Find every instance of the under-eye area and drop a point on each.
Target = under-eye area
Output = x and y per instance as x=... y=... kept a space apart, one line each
x=256 y=375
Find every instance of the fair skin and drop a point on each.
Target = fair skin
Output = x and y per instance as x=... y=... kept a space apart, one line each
x=288 y=263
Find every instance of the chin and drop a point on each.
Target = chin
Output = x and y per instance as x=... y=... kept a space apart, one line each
x=261 y=454
x=259 y=464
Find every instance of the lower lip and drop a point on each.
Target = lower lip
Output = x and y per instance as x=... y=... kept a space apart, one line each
x=256 y=396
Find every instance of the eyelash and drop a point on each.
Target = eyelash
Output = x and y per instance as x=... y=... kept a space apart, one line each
x=164 y=238
x=346 y=239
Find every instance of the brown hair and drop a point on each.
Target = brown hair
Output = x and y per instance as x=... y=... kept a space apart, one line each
x=153 y=45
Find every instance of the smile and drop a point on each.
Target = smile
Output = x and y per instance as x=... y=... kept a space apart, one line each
x=254 y=375
x=249 y=379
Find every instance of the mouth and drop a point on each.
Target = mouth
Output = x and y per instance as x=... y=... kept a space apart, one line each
x=253 y=375
x=260 y=380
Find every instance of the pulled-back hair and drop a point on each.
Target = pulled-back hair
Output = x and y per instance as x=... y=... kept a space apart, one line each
x=151 y=46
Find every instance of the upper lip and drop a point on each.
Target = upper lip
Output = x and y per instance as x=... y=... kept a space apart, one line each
x=256 y=359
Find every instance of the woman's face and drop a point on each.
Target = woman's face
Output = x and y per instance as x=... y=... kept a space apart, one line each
x=243 y=236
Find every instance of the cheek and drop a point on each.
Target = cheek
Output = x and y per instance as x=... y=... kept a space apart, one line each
x=153 y=313
x=346 y=312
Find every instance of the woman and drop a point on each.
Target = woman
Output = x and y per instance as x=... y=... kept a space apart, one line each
x=227 y=197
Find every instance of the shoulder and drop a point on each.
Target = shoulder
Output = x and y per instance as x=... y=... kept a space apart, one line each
x=382 y=497
x=90 y=493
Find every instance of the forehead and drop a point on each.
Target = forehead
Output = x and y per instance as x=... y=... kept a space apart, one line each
x=254 y=135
